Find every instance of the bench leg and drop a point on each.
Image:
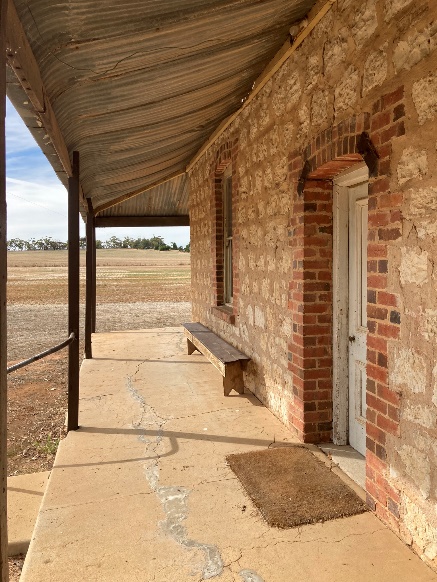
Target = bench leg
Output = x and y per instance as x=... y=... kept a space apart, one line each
x=191 y=347
x=233 y=379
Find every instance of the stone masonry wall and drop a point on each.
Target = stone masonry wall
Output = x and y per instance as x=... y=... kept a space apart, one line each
x=372 y=62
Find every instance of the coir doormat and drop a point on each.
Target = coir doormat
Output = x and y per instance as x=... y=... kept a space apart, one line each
x=291 y=486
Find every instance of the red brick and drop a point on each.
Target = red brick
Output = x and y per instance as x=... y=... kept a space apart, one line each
x=377 y=281
x=376 y=403
x=377 y=312
x=390 y=200
x=377 y=373
x=388 y=395
x=392 y=98
x=380 y=120
x=375 y=463
x=388 y=299
x=387 y=425
x=389 y=331
x=379 y=218
x=389 y=233
x=376 y=433
x=376 y=250
x=381 y=185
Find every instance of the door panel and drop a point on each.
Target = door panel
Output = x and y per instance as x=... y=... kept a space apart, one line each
x=358 y=210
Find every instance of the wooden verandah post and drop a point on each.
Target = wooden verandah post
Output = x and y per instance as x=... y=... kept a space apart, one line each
x=90 y=280
x=4 y=568
x=73 y=295
x=94 y=279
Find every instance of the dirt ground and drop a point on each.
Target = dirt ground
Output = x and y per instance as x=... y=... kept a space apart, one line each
x=135 y=290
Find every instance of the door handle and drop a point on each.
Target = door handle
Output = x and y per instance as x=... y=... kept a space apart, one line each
x=351 y=338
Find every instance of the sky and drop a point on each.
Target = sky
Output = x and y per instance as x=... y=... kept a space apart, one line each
x=37 y=201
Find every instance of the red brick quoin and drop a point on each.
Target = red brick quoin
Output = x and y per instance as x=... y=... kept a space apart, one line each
x=226 y=155
x=310 y=290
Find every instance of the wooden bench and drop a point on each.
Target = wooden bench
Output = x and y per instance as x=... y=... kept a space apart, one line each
x=229 y=361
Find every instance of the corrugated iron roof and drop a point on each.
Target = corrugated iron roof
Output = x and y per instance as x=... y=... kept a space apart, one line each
x=167 y=199
x=138 y=86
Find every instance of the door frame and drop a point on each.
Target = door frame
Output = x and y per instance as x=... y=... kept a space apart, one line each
x=358 y=174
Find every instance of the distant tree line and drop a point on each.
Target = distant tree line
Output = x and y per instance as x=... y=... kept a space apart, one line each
x=48 y=244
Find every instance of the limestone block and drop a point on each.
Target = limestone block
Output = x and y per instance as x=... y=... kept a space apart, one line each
x=428 y=326
x=423 y=532
x=409 y=370
x=422 y=202
x=434 y=394
x=334 y=53
x=262 y=151
x=425 y=97
x=314 y=68
x=264 y=118
x=366 y=22
x=293 y=91
x=249 y=315
x=288 y=133
x=319 y=108
x=265 y=289
x=279 y=100
x=253 y=128
x=420 y=414
x=417 y=467
x=280 y=170
x=258 y=182
x=375 y=69
x=414 y=266
x=346 y=92
x=245 y=286
x=427 y=229
x=251 y=212
x=417 y=46
x=413 y=164
x=304 y=121
x=273 y=140
x=392 y=7
x=244 y=332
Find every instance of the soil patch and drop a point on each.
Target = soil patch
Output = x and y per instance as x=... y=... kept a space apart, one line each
x=15 y=567
x=291 y=487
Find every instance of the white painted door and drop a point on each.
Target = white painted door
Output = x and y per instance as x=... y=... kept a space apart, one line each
x=358 y=209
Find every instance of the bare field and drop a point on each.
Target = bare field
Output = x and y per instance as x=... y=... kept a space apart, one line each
x=123 y=276
x=135 y=290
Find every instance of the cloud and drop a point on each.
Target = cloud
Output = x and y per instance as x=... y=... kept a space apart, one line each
x=37 y=201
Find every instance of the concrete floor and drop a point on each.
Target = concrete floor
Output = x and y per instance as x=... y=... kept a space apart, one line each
x=349 y=460
x=25 y=493
x=142 y=491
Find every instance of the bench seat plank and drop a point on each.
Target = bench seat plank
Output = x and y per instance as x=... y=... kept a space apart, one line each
x=219 y=347
x=227 y=359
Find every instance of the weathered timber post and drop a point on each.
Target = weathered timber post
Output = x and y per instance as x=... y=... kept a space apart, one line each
x=73 y=295
x=90 y=281
x=4 y=568
x=94 y=278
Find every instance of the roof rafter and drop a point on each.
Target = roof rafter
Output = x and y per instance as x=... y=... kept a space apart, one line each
x=22 y=61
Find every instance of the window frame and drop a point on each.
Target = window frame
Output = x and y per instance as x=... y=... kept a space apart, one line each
x=227 y=205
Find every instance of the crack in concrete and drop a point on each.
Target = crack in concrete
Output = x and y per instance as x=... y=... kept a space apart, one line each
x=317 y=540
x=174 y=499
x=201 y=413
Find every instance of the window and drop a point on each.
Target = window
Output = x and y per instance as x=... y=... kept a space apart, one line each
x=227 y=236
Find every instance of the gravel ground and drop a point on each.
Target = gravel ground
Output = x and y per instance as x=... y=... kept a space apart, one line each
x=33 y=328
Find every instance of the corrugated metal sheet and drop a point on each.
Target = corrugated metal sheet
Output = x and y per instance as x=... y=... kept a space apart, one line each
x=168 y=199
x=138 y=86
